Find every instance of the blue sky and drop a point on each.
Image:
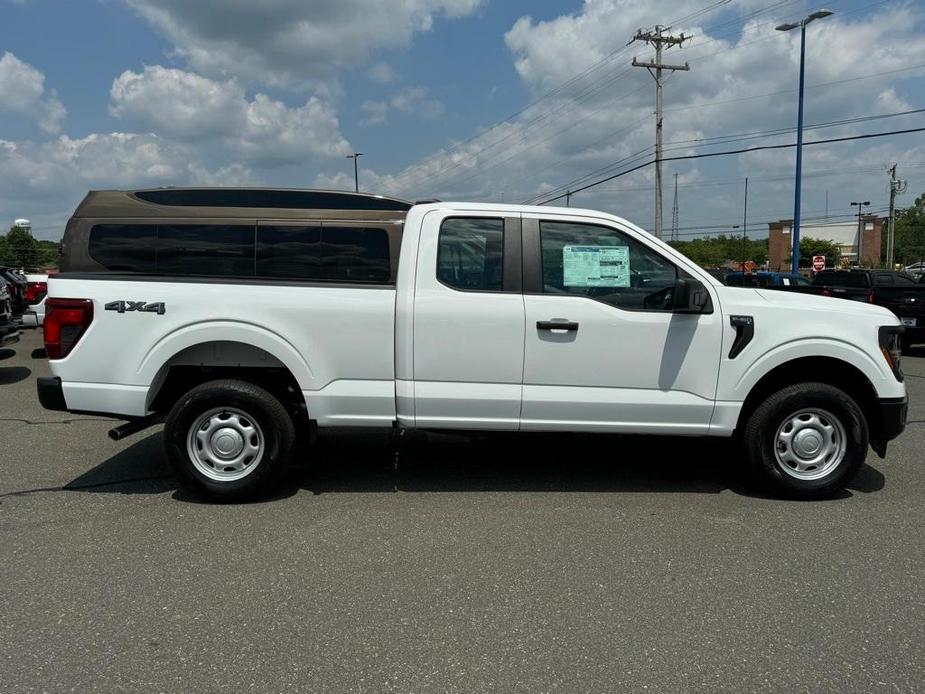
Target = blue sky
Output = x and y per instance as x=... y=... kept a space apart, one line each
x=450 y=98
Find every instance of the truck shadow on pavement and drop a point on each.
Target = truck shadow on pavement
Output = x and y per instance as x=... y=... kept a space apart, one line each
x=13 y=374
x=369 y=463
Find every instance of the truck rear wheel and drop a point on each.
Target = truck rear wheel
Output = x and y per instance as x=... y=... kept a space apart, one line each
x=229 y=439
x=806 y=441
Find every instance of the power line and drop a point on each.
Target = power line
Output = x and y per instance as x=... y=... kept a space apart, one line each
x=521 y=132
x=743 y=150
x=727 y=139
x=703 y=231
x=571 y=81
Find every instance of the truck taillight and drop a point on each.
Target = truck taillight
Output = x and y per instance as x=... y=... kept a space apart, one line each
x=870 y=296
x=66 y=320
x=35 y=292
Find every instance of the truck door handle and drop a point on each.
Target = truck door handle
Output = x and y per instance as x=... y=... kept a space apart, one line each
x=557 y=324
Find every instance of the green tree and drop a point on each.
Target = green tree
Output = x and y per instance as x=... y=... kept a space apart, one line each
x=5 y=257
x=22 y=248
x=49 y=254
x=810 y=247
x=717 y=251
x=909 y=242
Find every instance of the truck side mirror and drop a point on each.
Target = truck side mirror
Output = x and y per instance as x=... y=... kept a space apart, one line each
x=690 y=296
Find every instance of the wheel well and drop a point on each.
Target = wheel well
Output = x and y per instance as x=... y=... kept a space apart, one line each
x=828 y=370
x=216 y=360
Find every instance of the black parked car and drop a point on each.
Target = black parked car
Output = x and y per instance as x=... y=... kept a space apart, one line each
x=16 y=285
x=897 y=291
x=9 y=333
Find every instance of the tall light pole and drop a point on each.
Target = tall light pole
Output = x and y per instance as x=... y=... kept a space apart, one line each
x=795 y=252
x=860 y=206
x=356 y=173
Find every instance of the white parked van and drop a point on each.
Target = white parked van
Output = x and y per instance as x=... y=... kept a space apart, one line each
x=243 y=316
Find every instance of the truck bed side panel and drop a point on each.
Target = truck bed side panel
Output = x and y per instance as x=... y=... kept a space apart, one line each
x=336 y=341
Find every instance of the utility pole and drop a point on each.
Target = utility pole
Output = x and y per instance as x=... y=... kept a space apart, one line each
x=860 y=206
x=745 y=226
x=659 y=38
x=674 y=211
x=896 y=187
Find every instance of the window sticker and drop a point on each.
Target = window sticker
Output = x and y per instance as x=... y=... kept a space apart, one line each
x=596 y=266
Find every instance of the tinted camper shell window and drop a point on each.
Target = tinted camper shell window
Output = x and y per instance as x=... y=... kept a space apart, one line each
x=324 y=236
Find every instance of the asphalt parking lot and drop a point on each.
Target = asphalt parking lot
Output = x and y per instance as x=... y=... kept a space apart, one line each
x=567 y=563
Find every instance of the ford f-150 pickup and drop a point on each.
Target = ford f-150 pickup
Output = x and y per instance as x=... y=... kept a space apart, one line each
x=246 y=316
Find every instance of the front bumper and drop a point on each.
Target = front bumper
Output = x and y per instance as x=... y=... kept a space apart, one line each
x=51 y=394
x=889 y=422
x=9 y=334
x=892 y=416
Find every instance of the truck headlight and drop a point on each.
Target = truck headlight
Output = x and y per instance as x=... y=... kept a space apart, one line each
x=891 y=347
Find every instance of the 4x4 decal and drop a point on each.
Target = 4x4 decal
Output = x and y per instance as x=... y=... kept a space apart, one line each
x=124 y=306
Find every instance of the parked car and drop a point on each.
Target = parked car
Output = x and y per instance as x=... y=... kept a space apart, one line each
x=767 y=280
x=265 y=313
x=16 y=284
x=35 y=293
x=9 y=333
x=897 y=291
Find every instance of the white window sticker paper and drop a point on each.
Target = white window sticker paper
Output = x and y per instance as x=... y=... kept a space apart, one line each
x=596 y=266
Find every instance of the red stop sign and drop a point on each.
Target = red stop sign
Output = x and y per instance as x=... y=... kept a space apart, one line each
x=818 y=262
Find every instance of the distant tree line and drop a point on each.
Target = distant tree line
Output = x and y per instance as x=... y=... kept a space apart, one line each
x=717 y=251
x=19 y=249
x=725 y=251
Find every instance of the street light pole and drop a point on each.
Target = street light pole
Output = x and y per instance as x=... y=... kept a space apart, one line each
x=860 y=206
x=356 y=173
x=795 y=250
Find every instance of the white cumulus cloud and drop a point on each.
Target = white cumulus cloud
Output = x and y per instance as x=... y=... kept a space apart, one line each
x=189 y=107
x=291 y=41
x=23 y=90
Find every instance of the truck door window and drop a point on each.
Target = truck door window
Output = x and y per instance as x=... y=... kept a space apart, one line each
x=470 y=254
x=604 y=264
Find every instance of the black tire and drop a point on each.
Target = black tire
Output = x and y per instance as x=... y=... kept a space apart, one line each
x=761 y=442
x=274 y=430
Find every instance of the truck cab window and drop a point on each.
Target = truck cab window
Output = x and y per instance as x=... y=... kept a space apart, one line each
x=470 y=254
x=604 y=264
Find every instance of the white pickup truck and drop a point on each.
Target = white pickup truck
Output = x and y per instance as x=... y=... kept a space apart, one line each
x=246 y=316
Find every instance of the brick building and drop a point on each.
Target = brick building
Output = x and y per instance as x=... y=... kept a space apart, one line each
x=843 y=234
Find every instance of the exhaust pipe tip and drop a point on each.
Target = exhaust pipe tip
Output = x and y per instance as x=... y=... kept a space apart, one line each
x=134 y=426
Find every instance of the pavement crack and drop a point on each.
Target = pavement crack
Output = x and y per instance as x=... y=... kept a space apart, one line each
x=82 y=487
x=54 y=421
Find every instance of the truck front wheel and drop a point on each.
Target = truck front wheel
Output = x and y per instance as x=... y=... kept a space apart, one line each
x=229 y=439
x=806 y=441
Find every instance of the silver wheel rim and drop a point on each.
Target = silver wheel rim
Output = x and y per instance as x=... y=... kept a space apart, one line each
x=810 y=443
x=225 y=444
